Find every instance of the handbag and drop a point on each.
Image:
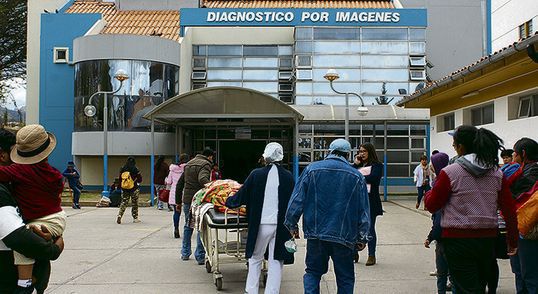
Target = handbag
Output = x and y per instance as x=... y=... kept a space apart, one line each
x=164 y=194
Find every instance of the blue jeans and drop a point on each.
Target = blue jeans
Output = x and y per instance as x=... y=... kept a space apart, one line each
x=442 y=268
x=177 y=215
x=186 y=250
x=76 y=194
x=525 y=266
x=421 y=191
x=317 y=264
x=373 y=241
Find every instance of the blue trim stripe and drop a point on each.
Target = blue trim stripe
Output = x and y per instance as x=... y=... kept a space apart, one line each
x=488 y=26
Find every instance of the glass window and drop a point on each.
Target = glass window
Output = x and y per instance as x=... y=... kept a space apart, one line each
x=337 y=47
x=417 y=34
x=199 y=50
x=260 y=75
x=398 y=156
x=384 y=47
x=336 y=33
x=261 y=62
x=397 y=130
x=384 y=34
x=346 y=75
x=417 y=143
x=303 y=47
x=261 y=86
x=385 y=74
x=397 y=142
x=260 y=50
x=224 y=62
x=418 y=129
x=446 y=122
x=332 y=61
x=415 y=157
x=286 y=63
x=482 y=115
x=199 y=62
x=285 y=50
x=303 y=61
x=303 y=33
x=397 y=170
x=303 y=88
x=377 y=88
x=377 y=61
x=417 y=48
x=224 y=50
x=224 y=74
x=324 y=88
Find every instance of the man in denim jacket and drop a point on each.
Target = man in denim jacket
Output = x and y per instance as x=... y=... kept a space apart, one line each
x=333 y=197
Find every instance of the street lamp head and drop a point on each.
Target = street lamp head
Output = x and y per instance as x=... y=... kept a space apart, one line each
x=362 y=110
x=121 y=75
x=90 y=110
x=331 y=75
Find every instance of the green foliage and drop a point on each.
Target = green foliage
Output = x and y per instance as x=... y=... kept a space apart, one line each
x=13 y=23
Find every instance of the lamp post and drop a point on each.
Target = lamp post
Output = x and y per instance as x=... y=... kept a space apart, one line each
x=332 y=76
x=90 y=111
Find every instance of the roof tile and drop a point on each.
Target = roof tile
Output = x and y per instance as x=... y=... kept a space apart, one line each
x=146 y=23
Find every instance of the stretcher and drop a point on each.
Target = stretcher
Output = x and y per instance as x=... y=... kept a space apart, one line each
x=224 y=237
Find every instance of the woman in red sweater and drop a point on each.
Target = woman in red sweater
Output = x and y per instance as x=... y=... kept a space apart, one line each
x=468 y=194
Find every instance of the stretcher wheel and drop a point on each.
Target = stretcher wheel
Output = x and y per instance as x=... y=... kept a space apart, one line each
x=218 y=284
x=207 y=267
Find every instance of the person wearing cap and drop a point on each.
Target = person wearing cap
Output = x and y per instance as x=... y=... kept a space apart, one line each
x=266 y=193
x=196 y=174
x=73 y=179
x=332 y=197
x=37 y=188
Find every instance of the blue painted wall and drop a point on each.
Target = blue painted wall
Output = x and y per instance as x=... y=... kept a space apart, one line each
x=57 y=80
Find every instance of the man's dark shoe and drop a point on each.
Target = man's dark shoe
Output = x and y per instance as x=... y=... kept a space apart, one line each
x=118 y=220
x=24 y=290
x=184 y=258
x=201 y=262
x=371 y=261
x=176 y=233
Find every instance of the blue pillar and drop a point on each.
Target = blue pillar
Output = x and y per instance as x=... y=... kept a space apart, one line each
x=105 y=176
x=152 y=187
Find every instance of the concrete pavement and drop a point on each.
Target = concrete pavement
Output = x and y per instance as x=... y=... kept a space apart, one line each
x=103 y=257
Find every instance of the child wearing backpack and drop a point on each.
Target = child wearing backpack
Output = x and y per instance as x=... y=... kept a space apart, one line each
x=37 y=188
x=130 y=178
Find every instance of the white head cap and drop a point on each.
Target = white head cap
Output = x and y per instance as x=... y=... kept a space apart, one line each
x=273 y=152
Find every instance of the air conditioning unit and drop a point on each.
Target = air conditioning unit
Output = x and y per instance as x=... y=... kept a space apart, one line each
x=417 y=60
x=417 y=75
x=199 y=75
x=285 y=75
x=303 y=61
x=285 y=87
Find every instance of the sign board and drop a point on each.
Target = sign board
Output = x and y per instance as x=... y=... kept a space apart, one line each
x=302 y=17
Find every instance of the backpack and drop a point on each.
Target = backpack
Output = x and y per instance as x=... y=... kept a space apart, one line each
x=127 y=182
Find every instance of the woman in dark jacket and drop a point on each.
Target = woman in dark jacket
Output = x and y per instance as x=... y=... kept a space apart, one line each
x=266 y=193
x=525 y=263
x=372 y=170
x=126 y=194
x=160 y=171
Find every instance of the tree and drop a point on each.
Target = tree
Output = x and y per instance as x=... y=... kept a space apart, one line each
x=383 y=100
x=13 y=14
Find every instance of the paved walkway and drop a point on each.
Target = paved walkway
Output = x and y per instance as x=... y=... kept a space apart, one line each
x=103 y=257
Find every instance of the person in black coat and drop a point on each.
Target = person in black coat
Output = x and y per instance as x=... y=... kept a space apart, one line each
x=266 y=193
x=372 y=170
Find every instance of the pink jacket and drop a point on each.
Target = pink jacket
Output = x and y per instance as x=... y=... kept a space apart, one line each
x=173 y=177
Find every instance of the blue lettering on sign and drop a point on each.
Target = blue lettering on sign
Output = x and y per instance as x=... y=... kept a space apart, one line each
x=302 y=17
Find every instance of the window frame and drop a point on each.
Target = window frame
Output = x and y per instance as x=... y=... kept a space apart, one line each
x=56 y=50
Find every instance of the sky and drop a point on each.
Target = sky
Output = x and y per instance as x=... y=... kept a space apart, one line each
x=19 y=92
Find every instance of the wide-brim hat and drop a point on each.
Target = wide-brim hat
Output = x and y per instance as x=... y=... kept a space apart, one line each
x=33 y=144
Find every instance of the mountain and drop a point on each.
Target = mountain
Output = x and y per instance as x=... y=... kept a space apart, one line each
x=12 y=115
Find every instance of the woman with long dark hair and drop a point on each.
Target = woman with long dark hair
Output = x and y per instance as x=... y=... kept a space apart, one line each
x=468 y=193
x=525 y=263
x=130 y=179
x=372 y=170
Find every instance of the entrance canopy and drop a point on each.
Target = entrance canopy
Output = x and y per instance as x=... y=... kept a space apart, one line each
x=214 y=104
